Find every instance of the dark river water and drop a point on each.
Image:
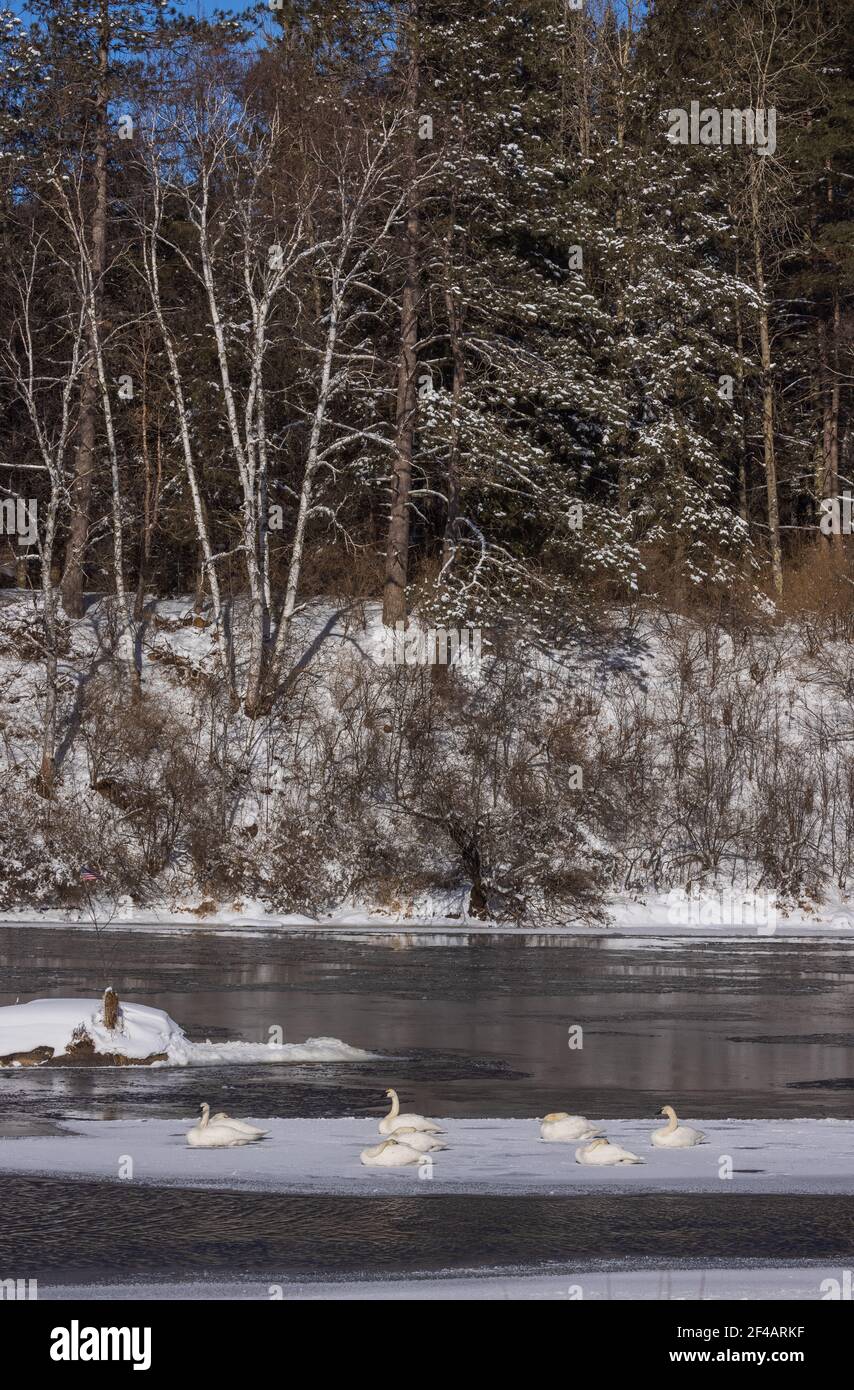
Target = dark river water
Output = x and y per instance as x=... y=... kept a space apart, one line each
x=66 y=1232
x=763 y=1029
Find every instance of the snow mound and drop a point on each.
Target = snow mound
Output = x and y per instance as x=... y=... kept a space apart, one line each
x=142 y=1031
x=145 y=1032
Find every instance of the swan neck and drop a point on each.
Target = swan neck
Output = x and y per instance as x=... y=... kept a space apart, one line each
x=672 y=1122
x=395 y=1106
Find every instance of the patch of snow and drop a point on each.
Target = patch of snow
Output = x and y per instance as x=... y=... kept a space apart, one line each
x=190 y=1054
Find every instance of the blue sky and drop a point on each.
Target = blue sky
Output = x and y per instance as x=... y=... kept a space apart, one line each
x=200 y=7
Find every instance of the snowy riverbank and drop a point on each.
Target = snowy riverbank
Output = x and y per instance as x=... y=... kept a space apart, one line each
x=648 y=921
x=485 y=1156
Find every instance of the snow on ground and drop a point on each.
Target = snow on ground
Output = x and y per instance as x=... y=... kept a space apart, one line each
x=145 y=1032
x=802 y=1283
x=502 y=1157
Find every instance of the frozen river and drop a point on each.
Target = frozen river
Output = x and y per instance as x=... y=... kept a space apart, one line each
x=760 y=1029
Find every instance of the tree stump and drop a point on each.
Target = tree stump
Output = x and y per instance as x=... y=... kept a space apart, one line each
x=111 y=1009
x=478 y=905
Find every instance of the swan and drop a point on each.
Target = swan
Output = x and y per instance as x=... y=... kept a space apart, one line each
x=205 y=1135
x=394 y=1120
x=240 y=1125
x=390 y=1154
x=674 y=1135
x=560 y=1128
x=602 y=1152
x=418 y=1139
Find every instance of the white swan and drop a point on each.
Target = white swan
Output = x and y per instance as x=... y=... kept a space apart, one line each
x=394 y=1120
x=674 y=1135
x=601 y=1152
x=240 y=1125
x=418 y=1139
x=204 y=1135
x=390 y=1154
x=560 y=1128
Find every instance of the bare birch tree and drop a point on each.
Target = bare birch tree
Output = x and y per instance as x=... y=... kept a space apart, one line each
x=86 y=271
x=250 y=250
x=47 y=395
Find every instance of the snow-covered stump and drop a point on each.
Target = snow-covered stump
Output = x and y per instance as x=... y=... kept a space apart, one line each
x=76 y=1033
x=82 y=1032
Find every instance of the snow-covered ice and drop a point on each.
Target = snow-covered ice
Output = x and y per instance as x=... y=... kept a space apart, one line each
x=810 y=1282
x=500 y=1156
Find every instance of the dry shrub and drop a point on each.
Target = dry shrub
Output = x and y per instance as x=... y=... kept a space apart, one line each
x=43 y=844
x=146 y=764
x=22 y=632
x=819 y=593
x=332 y=570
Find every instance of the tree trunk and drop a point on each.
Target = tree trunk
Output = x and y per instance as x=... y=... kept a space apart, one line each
x=397 y=553
x=743 y=504
x=835 y=394
x=200 y=512
x=151 y=497
x=84 y=462
x=831 y=366
x=769 y=453
x=307 y=489
x=452 y=309
x=129 y=654
x=111 y=1009
x=827 y=480
x=46 y=778
x=583 y=84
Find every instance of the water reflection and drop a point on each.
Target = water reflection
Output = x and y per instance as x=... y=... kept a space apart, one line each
x=755 y=1028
